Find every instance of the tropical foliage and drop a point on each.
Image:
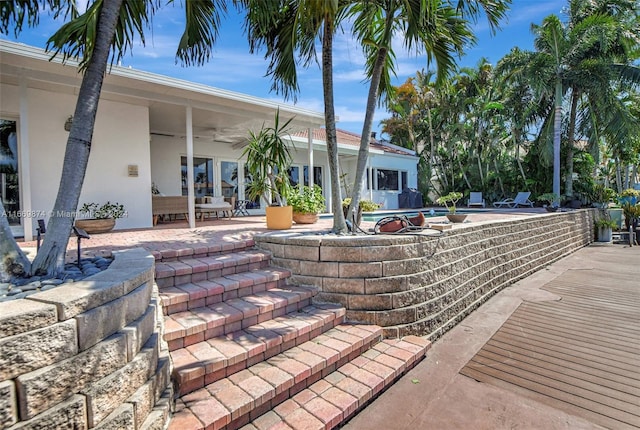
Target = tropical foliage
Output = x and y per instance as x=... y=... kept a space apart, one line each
x=560 y=119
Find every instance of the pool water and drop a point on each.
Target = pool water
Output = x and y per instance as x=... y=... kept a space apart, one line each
x=428 y=212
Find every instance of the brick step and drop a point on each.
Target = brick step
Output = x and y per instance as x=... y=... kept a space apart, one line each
x=336 y=398
x=197 y=294
x=198 y=250
x=205 y=362
x=196 y=325
x=184 y=270
x=247 y=394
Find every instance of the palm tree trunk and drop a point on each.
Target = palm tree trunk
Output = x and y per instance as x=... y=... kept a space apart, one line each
x=557 y=124
x=50 y=258
x=339 y=224
x=495 y=163
x=14 y=262
x=363 y=153
x=568 y=184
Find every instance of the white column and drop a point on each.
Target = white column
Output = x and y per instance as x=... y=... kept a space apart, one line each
x=25 y=162
x=310 y=151
x=370 y=175
x=191 y=197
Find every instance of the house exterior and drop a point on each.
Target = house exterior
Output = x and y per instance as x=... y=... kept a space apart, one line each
x=149 y=129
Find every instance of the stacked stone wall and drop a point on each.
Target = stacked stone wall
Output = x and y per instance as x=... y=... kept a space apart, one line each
x=87 y=354
x=426 y=283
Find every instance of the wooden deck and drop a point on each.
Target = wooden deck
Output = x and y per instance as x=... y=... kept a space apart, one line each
x=580 y=353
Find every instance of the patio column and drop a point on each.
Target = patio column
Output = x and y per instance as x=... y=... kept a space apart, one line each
x=24 y=160
x=191 y=196
x=370 y=175
x=310 y=151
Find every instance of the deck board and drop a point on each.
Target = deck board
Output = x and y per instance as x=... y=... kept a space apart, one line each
x=580 y=353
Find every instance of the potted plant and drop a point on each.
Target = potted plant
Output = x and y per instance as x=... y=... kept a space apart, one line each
x=601 y=196
x=267 y=161
x=630 y=196
x=363 y=206
x=550 y=201
x=306 y=203
x=631 y=215
x=449 y=201
x=99 y=218
x=604 y=226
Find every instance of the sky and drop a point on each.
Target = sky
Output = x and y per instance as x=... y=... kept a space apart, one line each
x=233 y=68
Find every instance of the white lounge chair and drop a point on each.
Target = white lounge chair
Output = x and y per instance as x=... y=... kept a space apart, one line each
x=522 y=199
x=475 y=200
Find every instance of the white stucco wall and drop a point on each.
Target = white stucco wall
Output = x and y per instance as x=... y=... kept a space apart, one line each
x=121 y=137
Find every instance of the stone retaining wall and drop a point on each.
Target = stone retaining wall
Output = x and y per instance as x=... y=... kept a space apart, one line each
x=426 y=283
x=88 y=354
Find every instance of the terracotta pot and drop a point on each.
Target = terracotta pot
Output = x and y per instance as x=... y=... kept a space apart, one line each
x=279 y=217
x=305 y=218
x=95 y=226
x=456 y=217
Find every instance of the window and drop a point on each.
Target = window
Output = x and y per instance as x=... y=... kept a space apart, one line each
x=317 y=175
x=294 y=176
x=387 y=179
x=9 y=183
x=229 y=178
x=202 y=176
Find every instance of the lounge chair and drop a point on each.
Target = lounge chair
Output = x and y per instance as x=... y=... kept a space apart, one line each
x=522 y=199
x=475 y=200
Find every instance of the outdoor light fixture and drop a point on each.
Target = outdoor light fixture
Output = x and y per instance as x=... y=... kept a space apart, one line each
x=68 y=123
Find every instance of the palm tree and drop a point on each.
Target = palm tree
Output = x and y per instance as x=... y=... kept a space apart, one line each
x=289 y=27
x=104 y=32
x=435 y=27
x=583 y=60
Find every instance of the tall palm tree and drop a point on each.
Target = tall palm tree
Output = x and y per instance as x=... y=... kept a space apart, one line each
x=103 y=33
x=287 y=28
x=580 y=63
x=438 y=28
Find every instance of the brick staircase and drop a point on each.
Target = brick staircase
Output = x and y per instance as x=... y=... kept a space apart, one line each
x=250 y=350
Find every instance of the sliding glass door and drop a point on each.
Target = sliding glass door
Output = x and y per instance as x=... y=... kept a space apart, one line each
x=9 y=178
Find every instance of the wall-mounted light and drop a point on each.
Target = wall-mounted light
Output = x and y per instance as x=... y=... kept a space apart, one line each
x=68 y=123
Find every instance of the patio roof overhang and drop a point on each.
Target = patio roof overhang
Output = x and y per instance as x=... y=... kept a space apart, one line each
x=221 y=115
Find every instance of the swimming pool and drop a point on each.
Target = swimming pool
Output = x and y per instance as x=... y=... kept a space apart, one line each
x=428 y=212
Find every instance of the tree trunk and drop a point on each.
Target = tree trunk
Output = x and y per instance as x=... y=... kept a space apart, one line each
x=568 y=184
x=557 y=124
x=50 y=258
x=372 y=99
x=14 y=262
x=363 y=153
x=339 y=224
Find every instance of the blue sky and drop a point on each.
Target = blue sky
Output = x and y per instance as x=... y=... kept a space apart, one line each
x=233 y=68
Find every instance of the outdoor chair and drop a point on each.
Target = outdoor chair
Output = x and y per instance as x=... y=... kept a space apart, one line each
x=215 y=204
x=522 y=199
x=475 y=200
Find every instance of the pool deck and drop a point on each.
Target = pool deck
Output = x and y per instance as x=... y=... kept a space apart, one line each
x=577 y=322
x=177 y=235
